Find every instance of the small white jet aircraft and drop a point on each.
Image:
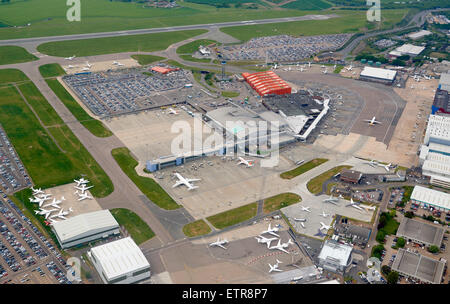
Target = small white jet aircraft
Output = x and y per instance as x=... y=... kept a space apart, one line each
x=300 y=162
x=62 y=214
x=44 y=212
x=427 y=77
x=324 y=214
x=371 y=207
x=282 y=247
x=115 y=62
x=301 y=69
x=185 y=181
x=83 y=188
x=81 y=181
x=386 y=167
x=172 y=111
x=354 y=205
x=271 y=231
x=88 y=64
x=325 y=71
x=323 y=226
x=37 y=191
x=372 y=163
x=349 y=68
x=55 y=203
x=248 y=163
x=306 y=209
x=372 y=121
x=219 y=243
x=416 y=78
x=70 y=58
x=120 y=64
x=275 y=267
x=264 y=240
x=86 y=69
x=299 y=219
x=84 y=196
x=70 y=66
x=309 y=64
x=331 y=200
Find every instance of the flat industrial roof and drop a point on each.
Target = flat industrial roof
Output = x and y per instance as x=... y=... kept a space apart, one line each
x=336 y=251
x=84 y=225
x=438 y=148
x=420 y=231
x=444 y=82
x=430 y=196
x=410 y=49
x=120 y=257
x=419 y=34
x=439 y=127
x=418 y=266
x=378 y=73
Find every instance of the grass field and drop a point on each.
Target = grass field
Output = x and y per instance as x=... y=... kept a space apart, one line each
x=308 y=5
x=146 y=59
x=136 y=227
x=280 y=201
x=51 y=70
x=303 y=168
x=46 y=163
x=105 y=15
x=12 y=76
x=148 y=186
x=191 y=58
x=96 y=127
x=233 y=216
x=14 y=54
x=193 y=46
x=230 y=94
x=118 y=44
x=315 y=185
x=196 y=228
x=348 y=22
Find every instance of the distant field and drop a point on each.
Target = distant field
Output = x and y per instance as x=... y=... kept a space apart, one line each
x=193 y=46
x=51 y=70
x=136 y=227
x=46 y=163
x=308 y=5
x=196 y=228
x=48 y=17
x=12 y=75
x=233 y=216
x=303 y=168
x=347 y=22
x=146 y=59
x=147 y=185
x=96 y=127
x=14 y=54
x=280 y=201
x=118 y=44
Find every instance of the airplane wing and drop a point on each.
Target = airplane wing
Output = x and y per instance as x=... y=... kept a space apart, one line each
x=190 y=187
x=192 y=179
x=220 y=245
x=273 y=233
x=178 y=183
x=282 y=249
x=303 y=225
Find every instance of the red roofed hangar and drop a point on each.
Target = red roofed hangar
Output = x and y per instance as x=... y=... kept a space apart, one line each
x=265 y=83
x=163 y=70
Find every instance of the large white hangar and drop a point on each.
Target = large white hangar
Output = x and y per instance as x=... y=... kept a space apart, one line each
x=120 y=262
x=378 y=75
x=85 y=228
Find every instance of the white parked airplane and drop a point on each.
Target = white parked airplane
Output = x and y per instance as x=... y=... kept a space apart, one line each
x=219 y=243
x=416 y=78
x=83 y=188
x=324 y=214
x=172 y=111
x=62 y=214
x=306 y=209
x=300 y=162
x=55 y=203
x=325 y=71
x=70 y=58
x=331 y=200
x=309 y=64
x=323 y=226
x=70 y=66
x=386 y=167
x=44 y=212
x=271 y=231
x=185 y=181
x=81 y=181
x=37 y=191
x=248 y=163
x=349 y=68
x=115 y=62
x=88 y=64
x=282 y=247
x=264 y=240
x=84 y=196
x=275 y=267
x=354 y=205
x=372 y=163
x=120 y=64
x=427 y=77
x=86 y=69
x=372 y=121
x=299 y=219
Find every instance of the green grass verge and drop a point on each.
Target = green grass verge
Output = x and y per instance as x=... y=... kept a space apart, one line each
x=303 y=168
x=315 y=185
x=14 y=54
x=12 y=75
x=338 y=69
x=51 y=70
x=148 y=186
x=233 y=216
x=230 y=94
x=193 y=46
x=190 y=58
x=118 y=44
x=280 y=201
x=307 y=5
x=196 y=228
x=146 y=59
x=96 y=127
x=47 y=165
x=136 y=227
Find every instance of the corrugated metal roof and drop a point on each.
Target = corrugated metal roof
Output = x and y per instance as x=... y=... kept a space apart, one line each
x=84 y=225
x=120 y=257
x=378 y=73
x=439 y=126
x=430 y=196
x=410 y=49
x=336 y=251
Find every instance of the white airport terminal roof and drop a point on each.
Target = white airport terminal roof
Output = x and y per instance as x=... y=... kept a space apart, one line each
x=410 y=49
x=438 y=148
x=378 y=73
x=120 y=257
x=439 y=127
x=419 y=34
x=444 y=81
x=336 y=251
x=430 y=196
x=84 y=225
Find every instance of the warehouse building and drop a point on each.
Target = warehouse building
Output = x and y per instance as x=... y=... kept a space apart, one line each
x=350 y=176
x=441 y=104
x=378 y=75
x=420 y=232
x=120 y=262
x=444 y=82
x=409 y=49
x=85 y=228
x=419 y=34
x=334 y=256
x=267 y=83
x=438 y=130
x=419 y=267
x=431 y=198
